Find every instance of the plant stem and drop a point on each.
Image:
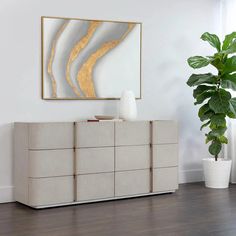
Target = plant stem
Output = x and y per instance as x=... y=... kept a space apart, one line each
x=218 y=81
x=216 y=157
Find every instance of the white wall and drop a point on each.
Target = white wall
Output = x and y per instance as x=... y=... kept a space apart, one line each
x=228 y=26
x=171 y=31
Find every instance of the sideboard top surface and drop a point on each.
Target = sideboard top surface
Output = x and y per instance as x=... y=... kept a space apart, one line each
x=85 y=121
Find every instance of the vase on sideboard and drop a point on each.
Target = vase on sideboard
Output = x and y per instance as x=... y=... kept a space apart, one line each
x=128 y=107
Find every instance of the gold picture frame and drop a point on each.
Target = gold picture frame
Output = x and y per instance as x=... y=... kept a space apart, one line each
x=84 y=86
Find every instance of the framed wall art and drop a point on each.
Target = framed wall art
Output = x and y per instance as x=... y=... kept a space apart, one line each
x=90 y=59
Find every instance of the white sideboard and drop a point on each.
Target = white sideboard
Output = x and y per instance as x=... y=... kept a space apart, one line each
x=76 y=162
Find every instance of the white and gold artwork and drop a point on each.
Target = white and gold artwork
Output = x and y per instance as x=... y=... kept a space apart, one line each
x=90 y=59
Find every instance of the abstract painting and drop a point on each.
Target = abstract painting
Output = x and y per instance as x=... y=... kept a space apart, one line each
x=90 y=59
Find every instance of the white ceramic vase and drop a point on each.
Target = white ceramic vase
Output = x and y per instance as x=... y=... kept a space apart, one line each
x=128 y=107
x=216 y=173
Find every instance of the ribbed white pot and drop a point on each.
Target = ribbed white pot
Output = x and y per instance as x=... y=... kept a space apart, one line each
x=128 y=107
x=216 y=173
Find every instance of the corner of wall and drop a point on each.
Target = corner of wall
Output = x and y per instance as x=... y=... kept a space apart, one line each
x=6 y=194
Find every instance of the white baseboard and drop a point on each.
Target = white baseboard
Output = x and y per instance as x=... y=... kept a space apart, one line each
x=6 y=194
x=189 y=176
x=185 y=176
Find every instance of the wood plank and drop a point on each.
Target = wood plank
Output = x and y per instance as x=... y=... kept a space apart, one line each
x=192 y=210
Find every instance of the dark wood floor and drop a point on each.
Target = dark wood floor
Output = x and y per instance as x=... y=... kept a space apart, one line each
x=192 y=210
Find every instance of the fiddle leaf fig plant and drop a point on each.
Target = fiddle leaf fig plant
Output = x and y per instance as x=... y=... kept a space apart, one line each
x=211 y=91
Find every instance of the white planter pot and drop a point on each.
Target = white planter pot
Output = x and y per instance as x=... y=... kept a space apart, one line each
x=128 y=107
x=216 y=173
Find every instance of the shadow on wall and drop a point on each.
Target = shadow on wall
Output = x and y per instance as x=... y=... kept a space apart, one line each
x=190 y=133
x=111 y=108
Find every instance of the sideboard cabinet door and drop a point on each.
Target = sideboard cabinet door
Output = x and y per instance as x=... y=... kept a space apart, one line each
x=94 y=160
x=95 y=186
x=51 y=135
x=133 y=182
x=132 y=133
x=49 y=191
x=94 y=134
x=165 y=179
x=49 y=163
x=132 y=157
x=165 y=155
x=164 y=131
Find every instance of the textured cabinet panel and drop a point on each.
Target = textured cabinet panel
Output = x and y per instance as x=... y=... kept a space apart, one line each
x=51 y=135
x=21 y=162
x=55 y=190
x=164 y=132
x=94 y=134
x=165 y=155
x=132 y=182
x=132 y=133
x=95 y=186
x=46 y=163
x=165 y=179
x=94 y=160
x=132 y=157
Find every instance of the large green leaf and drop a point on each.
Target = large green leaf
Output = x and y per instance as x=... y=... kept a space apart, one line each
x=222 y=139
x=198 y=62
x=201 y=88
x=228 y=40
x=212 y=39
x=232 y=105
x=203 y=96
x=218 y=121
x=217 y=63
x=219 y=102
x=209 y=138
x=230 y=114
x=214 y=135
x=230 y=65
x=197 y=79
x=205 y=124
x=215 y=147
x=231 y=48
x=205 y=113
x=229 y=81
x=203 y=109
x=218 y=131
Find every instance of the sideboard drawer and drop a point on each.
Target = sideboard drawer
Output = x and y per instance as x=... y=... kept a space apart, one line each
x=94 y=134
x=165 y=179
x=94 y=160
x=132 y=157
x=95 y=186
x=165 y=155
x=51 y=135
x=132 y=133
x=164 y=132
x=46 y=163
x=132 y=182
x=47 y=191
